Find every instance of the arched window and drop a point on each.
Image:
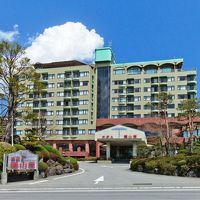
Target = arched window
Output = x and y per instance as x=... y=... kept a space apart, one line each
x=167 y=68
x=134 y=70
x=150 y=69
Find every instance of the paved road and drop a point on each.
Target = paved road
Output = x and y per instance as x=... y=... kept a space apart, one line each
x=116 y=181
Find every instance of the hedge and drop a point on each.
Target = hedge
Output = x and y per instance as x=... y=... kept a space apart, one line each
x=179 y=165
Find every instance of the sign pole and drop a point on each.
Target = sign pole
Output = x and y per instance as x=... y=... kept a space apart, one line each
x=4 y=175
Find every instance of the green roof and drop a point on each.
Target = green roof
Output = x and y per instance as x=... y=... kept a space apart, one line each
x=103 y=54
x=160 y=62
x=70 y=137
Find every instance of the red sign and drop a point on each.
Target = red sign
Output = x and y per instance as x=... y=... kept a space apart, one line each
x=22 y=160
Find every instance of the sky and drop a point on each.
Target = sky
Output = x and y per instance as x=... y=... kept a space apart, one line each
x=137 y=30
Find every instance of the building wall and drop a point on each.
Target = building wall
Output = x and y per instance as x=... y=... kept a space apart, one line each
x=71 y=107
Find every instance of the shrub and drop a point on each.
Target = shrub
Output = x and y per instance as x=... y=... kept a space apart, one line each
x=138 y=164
x=73 y=162
x=49 y=148
x=19 y=147
x=5 y=148
x=42 y=166
x=53 y=156
x=43 y=155
x=151 y=166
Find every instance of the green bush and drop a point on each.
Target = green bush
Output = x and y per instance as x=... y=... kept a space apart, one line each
x=53 y=156
x=151 y=166
x=43 y=155
x=42 y=166
x=49 y=148
x=73 y=162
x=5 y=148
x=138 y=164
x=19 y=147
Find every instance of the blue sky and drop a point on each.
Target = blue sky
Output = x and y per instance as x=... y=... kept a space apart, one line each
x=139 y=30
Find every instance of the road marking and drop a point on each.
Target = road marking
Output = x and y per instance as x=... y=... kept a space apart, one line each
x=106 y=166
x=100 y=179
x=66 y=176
x=38 y=182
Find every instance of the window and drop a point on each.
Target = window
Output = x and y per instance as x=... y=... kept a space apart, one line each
x=182 y=78
x=137 y=81
x=51 y=85
x=166 y=69
x=50 y=94
x=137 y=116
x=83 y=102
x=150 y=71
x=18 y=132
x=59 y=132
x=49 y=122
x=92 y=131
x=51 y=76
x=83 y=112
x=49 y=113
x=170 y=106
x=170 y=88
x=182 y=96
x=137 y=89
x=119 y=71
x=182 y=87
x=147 y=107
x=170 y=79
x=49 y=131
x=137 y=107
x=134 y=70
x=83 y=121
x=84 y=83
x=30 y=86
x=137 y=98
x=19 y=123
x=50 y=103
x=61 y=75
x=59 y=85
x=147 y=98
x=171 y=115
x=147 y=80
x=81 y=131
x=59 y=112
x=84 y=92
x=114 y=107
x=147 y=89
x=60 y=103
x=60 y=94
x=29 y=104
x=84 y=74
x=59 y=122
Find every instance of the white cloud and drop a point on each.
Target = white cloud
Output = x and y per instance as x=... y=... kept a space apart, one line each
x=68 y=41
x=9 y=35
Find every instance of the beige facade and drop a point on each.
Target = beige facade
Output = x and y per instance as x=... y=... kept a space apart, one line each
x=67 y=104
x=76 y=94
x=134 y=85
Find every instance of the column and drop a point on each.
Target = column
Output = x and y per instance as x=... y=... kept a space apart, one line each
x=107 y=150
x=134 y=149
x=54 y=145
x=70 y=147
x=97 y=149
x=87 y=148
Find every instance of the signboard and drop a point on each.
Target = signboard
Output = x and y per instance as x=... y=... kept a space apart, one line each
x=22 y=160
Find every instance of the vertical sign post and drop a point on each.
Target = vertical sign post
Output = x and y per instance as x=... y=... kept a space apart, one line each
x=4 y=175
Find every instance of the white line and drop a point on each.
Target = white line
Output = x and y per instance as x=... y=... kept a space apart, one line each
x=66 y=176
x=106 y=166
x=38 y=182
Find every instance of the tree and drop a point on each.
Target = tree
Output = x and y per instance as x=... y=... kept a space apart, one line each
x=16 y=73
x=189 y=110
x=163 y=99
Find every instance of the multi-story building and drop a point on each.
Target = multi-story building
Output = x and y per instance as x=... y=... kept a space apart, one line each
x=79 y=96
x=68 y=100
x=128 y=88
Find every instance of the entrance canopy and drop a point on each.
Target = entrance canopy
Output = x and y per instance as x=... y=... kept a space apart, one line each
x=121 y=135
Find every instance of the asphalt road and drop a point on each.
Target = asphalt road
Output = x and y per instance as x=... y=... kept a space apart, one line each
x=104 y=181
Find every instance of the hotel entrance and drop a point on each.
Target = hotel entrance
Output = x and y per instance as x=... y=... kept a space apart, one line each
x=119 y=143
x=121 y=153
